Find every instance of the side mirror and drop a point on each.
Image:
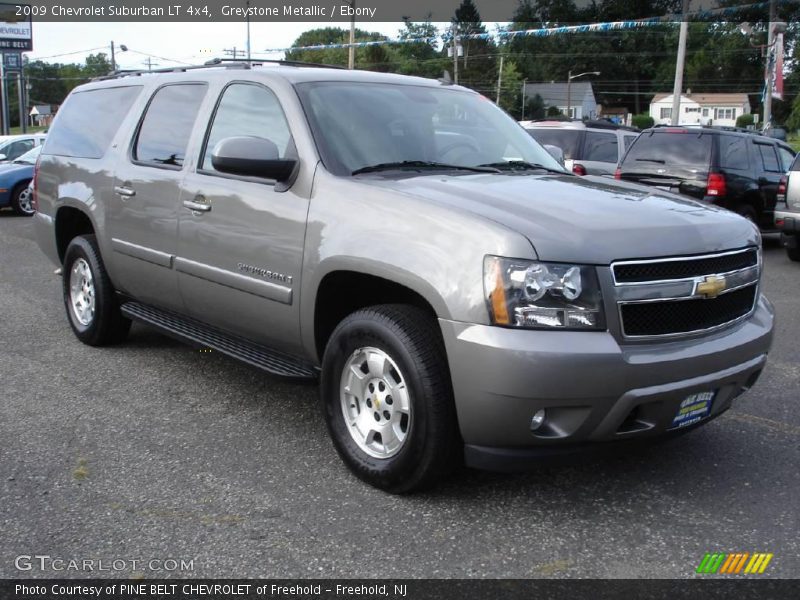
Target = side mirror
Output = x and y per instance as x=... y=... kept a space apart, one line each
x=253 y=157
x=556 y=152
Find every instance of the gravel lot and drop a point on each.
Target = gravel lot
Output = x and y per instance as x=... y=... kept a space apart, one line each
x=152 y=450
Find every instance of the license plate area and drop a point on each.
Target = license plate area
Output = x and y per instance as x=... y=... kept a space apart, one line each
x=693 y=408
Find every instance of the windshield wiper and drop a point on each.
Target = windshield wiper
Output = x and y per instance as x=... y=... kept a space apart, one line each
x=655 y=160
x=521 y=165
x=422 y=164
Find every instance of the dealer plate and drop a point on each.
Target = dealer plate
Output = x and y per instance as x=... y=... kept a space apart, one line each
x=693 y=408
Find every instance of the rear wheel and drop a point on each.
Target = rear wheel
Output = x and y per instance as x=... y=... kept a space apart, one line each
x=387 y=398
x=89 y=297
x=748 y=212
x=21 y=200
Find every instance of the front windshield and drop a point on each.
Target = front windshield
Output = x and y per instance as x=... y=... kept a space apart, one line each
x=29 y=158
x=358 y=125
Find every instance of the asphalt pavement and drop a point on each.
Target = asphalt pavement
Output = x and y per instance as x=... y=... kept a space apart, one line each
x=153 y=451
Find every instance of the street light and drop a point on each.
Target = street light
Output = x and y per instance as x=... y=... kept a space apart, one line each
x=570 y=77
x=122 y=48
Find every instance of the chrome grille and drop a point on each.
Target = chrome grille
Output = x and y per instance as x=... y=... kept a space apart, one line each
x=685 y=295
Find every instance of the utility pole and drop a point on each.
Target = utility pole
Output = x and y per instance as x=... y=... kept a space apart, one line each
x=232 y=52
x=455 y=53
x=4 y=94
x=248 y=30
x=149 y=62
x=351 y=51
x=677 y=87
x=524 y=85
x=499 y=80
x=20 y=100
x=770 y=64
x=113 y=58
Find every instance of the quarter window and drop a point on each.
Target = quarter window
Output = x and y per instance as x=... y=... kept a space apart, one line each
x=733 y=152
x=600 y=147
x=167 y=125
x=787 y=158
x=768 y=157
x=248 y=110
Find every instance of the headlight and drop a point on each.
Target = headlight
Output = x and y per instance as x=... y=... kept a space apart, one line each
x=542 y=295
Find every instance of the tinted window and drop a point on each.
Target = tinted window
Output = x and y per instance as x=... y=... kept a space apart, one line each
x=566 y=139
x=769 y=159
x=653 y=150
x=787 y=158
x=629 y=140
x=600 y=147
x=87 y=121
x=16 y=149
x=796 y=163
x=168 y=123
x=248 y=110
x=733 y=152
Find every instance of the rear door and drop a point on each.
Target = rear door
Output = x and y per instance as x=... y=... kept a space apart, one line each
x=143 y=218
x=674 y=159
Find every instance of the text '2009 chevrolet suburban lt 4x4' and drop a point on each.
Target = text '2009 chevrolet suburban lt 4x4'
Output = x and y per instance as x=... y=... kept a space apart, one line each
x=461 y=296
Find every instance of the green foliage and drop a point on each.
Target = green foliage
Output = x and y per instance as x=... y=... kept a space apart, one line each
x=552 y=111
x=534 y=108
x=511 y=90
x=793 y=122
x=744 y=120
x=642 y=121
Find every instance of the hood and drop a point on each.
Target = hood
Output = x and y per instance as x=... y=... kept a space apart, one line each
x=590 y=220
x=13 y=169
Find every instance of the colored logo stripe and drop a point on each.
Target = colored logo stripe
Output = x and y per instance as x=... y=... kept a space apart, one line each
x=733 y=563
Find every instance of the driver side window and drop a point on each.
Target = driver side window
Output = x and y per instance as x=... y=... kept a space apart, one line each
x=248 y=110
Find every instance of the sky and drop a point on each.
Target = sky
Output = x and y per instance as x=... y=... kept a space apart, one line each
x=182 y=43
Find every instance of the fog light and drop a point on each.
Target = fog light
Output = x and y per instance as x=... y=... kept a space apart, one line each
x=537 y=420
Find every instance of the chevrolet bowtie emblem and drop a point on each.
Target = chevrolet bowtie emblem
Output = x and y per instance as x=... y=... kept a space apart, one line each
x=711 y=287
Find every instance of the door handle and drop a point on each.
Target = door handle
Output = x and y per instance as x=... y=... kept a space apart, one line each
x=125 y=192
x=197 y=206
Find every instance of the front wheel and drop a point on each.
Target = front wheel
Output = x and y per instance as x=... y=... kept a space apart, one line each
x=89 y=297
x=387 y=398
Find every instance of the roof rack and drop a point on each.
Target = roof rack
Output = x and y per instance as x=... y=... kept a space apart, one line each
x=227 y=63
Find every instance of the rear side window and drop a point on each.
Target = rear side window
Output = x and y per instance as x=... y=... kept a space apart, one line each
x=688 y=149
x=601 y=147
x=787 y=158
x=566 y=139
x=733 y=152
x=629 y=140
x=168 y=123
x=769 y=159
x=88 y=121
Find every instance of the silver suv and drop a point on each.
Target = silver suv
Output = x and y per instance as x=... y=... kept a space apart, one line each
x=787 y=210
x=459 y=295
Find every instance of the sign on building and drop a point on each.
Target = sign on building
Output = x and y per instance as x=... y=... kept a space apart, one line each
x=15 y=29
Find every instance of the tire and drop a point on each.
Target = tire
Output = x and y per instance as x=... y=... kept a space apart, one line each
x=89 y=298
x=793 y=254
x=748 y=212
x=405 y=347
x=21 y=200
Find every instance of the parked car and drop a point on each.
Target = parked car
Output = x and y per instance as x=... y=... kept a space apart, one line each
x=590 y=147
x=460 y=294
x=14 y=146
x=738 y=171
x=787 y=210
x=14 y=180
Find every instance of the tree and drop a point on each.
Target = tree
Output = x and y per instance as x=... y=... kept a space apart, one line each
x=534 y=108
x=477 y=68
x=419 y=58
x=511 y=90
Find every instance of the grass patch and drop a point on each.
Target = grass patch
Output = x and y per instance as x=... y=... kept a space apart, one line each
x=18 y=130
x=794 y=141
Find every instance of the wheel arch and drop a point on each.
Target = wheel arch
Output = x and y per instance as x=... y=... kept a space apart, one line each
x=71 y=222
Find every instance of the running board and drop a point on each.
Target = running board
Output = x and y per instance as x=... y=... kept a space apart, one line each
x=196 y=333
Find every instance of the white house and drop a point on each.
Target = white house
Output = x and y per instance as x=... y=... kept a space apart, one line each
x=581 y=99
x=704 y=109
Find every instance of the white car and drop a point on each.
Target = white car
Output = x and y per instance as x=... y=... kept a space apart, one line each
x=14 y=146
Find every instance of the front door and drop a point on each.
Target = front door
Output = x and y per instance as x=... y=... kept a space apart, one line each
x=241 y=238
x=142 y=220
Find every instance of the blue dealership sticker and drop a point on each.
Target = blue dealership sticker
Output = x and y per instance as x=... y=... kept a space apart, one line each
x=694 y=408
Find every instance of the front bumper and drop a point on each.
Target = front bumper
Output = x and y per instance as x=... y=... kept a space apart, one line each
x=592 y=388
